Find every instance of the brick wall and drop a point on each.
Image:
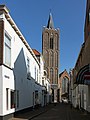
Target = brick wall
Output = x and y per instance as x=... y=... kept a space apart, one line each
x=87 y=23
x=1 y=41
x=51 y=56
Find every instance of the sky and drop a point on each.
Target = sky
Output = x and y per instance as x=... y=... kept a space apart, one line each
x=68 y=15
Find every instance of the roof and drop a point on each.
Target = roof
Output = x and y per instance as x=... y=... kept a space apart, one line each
x=50 y=22
x=64 y=73
x=36 y=52
x=61 y=74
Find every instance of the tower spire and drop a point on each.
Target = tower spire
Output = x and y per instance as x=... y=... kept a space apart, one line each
x=50 y=21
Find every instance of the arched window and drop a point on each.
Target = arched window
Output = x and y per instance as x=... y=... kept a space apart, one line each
x=56 y=41
x=51 y=41
x=65 y=81
x=56 y=59
x=56 y=76
x=51 y=59
x=45 y=38
x=51 y=74
x=46 y=57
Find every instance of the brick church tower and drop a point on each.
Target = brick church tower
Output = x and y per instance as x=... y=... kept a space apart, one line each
x=50 y=51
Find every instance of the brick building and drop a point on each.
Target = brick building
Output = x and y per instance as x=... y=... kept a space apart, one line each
x=50 y=51
x=81 y=71
x=63 y=85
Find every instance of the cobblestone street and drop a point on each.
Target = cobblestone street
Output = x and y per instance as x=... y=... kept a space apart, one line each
x=52 y=112
x=63 y=112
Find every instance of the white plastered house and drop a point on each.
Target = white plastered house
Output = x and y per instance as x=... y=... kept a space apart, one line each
x=20 y=80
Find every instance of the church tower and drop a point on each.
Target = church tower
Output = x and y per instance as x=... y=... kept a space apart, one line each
x=50 y=51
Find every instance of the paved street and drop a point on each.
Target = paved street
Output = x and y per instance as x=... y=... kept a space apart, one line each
x=52 y=112
x=63 y=112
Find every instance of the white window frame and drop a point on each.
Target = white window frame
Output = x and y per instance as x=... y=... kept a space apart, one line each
x=7 y=44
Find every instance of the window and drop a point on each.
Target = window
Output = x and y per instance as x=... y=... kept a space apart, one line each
x=89 y=15
x=56 y=41
x=28 y=69
x=17 y=98
x=51 y=74
x=12 y=99
x=42 y=82
x=36 y=98
x=7 y=48
x=65 y=84
x=51 y=59
x=56 y=59
x=56 y=76
x=45 y=37
x=35 y=73
x=51 y=43
x=28 y=65
x=46 y=57
x=7 y=98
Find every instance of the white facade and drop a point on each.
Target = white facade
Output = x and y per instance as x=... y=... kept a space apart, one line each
x=21 y=73
x=45 y=82
x=80 y=95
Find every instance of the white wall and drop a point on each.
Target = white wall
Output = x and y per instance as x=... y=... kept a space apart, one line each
x=88 y=106
x=41 y=69
x=17 y=75
x=8 y=82
x=81 y=97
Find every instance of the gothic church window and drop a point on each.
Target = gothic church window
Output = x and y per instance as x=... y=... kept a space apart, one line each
x=51 y=43
x=56 y=41
x=56 y=59
x=51 y=60
x=56 y=75
x=51 y=74
x=46 y=40
x=46 y=57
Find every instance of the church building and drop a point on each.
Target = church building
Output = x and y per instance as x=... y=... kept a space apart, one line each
x=50 y=51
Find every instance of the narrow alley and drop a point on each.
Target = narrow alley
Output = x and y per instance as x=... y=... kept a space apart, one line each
x=54 y=112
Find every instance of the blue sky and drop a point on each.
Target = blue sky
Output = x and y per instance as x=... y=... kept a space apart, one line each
x=68 y=15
